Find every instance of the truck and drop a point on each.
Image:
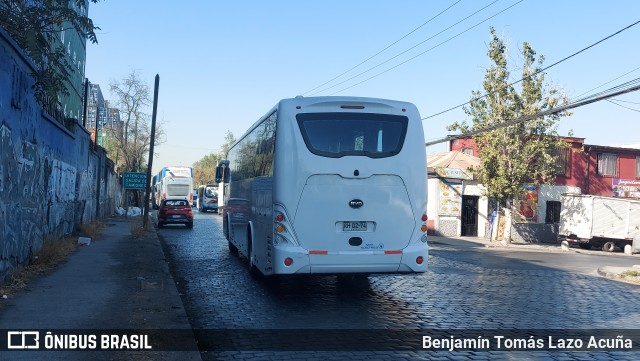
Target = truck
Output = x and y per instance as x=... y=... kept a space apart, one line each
x=598 y=221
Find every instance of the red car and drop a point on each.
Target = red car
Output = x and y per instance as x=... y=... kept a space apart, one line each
x=175 y=211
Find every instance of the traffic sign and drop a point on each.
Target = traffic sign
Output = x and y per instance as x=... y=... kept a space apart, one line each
x=134 y=180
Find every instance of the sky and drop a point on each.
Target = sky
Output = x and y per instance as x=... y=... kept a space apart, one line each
x=224 y=64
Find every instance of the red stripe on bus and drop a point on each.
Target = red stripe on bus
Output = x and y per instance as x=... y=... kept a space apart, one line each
x=318 y=252
x=393 y=252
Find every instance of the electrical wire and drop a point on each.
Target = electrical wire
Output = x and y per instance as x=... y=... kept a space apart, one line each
x=630 y=86
x=541 y=70
x=411 y=48
x=622 y=106
x=428 y=50
x=387 y=47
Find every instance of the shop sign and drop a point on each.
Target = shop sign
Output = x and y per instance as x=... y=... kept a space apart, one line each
x=625 y=188
x=450 y=199
x=456 y=173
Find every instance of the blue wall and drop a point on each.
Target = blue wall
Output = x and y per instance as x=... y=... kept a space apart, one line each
x=52 y=179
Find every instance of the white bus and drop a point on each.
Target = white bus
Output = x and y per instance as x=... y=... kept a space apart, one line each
x=207 y=198
x=329 y=185
x=175 y=183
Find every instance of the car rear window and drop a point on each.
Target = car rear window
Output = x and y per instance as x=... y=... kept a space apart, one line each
x=175 y=203
x=337 y=135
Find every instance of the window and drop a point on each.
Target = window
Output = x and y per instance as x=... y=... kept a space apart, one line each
x=253 y=155
x=553 y=212
x=562 y=156
x=608 y=164
x=468 y=151
x=637 y=166
x=337 y=135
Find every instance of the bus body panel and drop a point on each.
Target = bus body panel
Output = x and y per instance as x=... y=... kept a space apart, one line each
x=383 y=219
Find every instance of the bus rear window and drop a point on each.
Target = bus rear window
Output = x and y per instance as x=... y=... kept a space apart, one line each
x=337 y=135
x=178 y=190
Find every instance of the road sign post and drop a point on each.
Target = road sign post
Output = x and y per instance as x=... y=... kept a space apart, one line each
x=132 y=180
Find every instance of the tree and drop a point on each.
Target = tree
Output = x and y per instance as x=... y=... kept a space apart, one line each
x=128 y=143
x=34 y=25
x=205 y=168
x=519 y=154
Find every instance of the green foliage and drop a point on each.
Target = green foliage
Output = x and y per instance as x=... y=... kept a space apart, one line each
x=518 y=154
x=35 y=26
x=205 y=168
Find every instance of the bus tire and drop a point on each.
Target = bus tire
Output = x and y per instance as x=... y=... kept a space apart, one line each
x=253 y=270
x=609 y=246
x=225 y=228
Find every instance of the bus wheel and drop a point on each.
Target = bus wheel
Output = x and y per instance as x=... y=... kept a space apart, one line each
x=609 y=247
x=253 y=270
x=225 y=229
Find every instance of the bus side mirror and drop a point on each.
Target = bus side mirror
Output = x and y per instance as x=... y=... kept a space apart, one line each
x=219 y=174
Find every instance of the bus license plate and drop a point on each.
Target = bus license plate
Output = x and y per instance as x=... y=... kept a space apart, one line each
x=354 y=226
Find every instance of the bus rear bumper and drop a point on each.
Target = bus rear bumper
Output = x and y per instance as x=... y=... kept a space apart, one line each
x=413 y=259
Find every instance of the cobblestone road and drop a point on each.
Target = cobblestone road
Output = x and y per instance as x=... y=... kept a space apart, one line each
x=469 y=291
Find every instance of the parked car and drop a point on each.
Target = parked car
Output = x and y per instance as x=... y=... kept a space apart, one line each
x=175 y=211
x=195 y=197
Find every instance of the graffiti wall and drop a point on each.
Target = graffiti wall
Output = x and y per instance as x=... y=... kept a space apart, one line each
x=51 y=181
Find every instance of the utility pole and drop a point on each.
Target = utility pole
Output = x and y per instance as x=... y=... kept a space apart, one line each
x=145 y=223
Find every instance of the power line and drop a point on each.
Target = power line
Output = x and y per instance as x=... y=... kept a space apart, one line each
x=424 y=52
x=541 y=70
x=592 y=99
x=402 y=53
x=622 y=106
x=388 y=46
x=610 y=81
x=625 y=101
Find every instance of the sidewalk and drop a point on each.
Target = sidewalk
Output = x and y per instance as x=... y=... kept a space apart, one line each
x=611 y=272
x=114 y=283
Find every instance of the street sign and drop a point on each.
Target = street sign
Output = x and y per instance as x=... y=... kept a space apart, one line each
x=134 y=180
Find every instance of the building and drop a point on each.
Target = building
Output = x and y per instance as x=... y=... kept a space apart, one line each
x=75 y=46
x=456 y=205
x=53 y=44
x=100 y=117
x=582 y=169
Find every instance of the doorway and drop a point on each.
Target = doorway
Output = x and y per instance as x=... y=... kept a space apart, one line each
x=470 y=216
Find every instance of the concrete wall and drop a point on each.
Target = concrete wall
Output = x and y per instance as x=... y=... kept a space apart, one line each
x=541 y=232
x=51 y=177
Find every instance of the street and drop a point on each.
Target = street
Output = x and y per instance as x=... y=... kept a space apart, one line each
x=468 y=287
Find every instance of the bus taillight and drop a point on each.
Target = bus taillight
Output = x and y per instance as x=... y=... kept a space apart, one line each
x=424 y=218
x=419 y=260
x=288 y=261
x=279 y=228
x=279 y=217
